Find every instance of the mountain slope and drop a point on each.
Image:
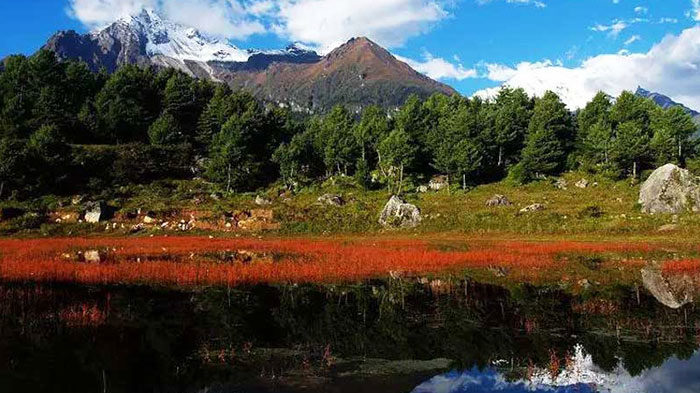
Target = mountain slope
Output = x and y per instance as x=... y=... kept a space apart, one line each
x=358 y=73
x=666 y=102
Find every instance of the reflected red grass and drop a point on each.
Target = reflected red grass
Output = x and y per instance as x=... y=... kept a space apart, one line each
x=301 y=260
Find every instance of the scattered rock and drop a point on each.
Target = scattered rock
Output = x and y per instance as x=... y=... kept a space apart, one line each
x=422 y=189
x=535 y=207
x=260 y=201
x=672 y=291
x=184 y=225
x=149 y=218
x=498 y=200
x=670 y=189
x=331 y=199
x=668 y=228
x=90 y=256
x=398 y=213
x=95 y=212
x=584 y=283
x=561 y=184
x=583 y=183
x=262 y=214
x=498 y=271
x=137 y=228
x=258 y=220
x=438 y=183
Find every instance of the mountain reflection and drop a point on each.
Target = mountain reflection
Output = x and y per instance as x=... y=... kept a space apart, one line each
x=397 y=335
x=673 y=376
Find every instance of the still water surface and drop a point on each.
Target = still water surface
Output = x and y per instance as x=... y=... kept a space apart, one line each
x=439 y=336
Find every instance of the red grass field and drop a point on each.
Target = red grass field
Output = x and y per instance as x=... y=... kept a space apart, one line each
x=192 y=261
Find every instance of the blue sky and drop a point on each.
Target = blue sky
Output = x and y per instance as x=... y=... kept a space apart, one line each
x=470 y=44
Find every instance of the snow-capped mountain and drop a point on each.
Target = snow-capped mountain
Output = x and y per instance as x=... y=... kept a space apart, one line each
x=179 y=42
x=357 y=74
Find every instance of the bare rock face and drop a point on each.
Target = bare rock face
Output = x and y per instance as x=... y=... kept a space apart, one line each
x=670 y=189
x=398 y=213
x=673 y=291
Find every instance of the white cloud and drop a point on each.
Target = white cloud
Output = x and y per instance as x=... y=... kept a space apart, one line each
x=667 y=20
x=614 y=29
x=439 y=68
x=98 y=13
x=328 y=23
x=222 y=18
x=671 y=67
x=536 y=3
x=695 y=12
x=322 y=24
x=641 y=10
x=632 y=40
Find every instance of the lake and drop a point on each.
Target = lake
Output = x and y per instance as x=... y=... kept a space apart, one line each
x=444 y=334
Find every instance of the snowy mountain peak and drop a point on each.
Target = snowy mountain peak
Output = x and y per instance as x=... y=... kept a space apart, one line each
x=174 y=40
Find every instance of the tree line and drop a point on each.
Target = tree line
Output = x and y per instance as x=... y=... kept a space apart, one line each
x=58 y=116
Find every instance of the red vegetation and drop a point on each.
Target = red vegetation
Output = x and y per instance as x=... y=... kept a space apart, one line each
x=687 y=266
x=188 y=260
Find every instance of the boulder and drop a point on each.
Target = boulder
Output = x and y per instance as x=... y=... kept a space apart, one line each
x=331 y=199
x=95 y=212
x=561 y=184
x=670 y=189
x=672 y=291
x=438 y=183
x=397 y=213
x=150 y=218
x=535 y=207
x=260 y=201
x=498 y=200
x=583 y=183
x=90 y=256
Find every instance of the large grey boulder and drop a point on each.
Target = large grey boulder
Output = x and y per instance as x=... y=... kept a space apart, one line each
x=670 y=189
x=672 y=291
x=398 y=213
x=95 y=212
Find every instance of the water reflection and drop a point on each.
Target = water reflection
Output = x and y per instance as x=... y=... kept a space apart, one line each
x=673 y=376
x=398 y=335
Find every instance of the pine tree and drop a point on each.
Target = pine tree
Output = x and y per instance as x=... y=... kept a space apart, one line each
x=165 y=131
x=549 y=137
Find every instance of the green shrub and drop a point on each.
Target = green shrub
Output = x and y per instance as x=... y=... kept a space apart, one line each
x=591 y=212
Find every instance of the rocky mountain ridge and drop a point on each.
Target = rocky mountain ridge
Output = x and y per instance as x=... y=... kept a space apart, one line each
x=357 y=74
